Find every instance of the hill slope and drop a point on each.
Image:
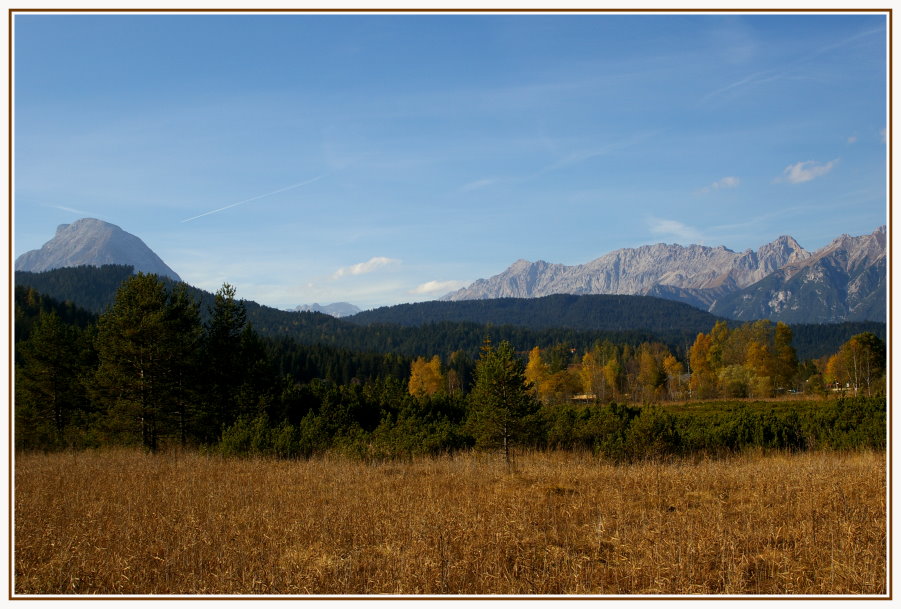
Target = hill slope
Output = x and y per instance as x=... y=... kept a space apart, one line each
x=587 y=312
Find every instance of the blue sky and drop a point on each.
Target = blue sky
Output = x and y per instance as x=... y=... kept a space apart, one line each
x=384 y=158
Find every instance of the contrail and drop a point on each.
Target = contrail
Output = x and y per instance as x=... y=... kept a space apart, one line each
x=256 y=198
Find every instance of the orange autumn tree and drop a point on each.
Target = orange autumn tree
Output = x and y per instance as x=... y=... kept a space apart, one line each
x=702 y=368
x=426 y=378
x=755 y=359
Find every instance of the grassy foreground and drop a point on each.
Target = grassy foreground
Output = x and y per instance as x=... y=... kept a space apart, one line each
x=125 y=522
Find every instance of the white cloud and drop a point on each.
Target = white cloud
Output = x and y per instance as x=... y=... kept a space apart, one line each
x=674 y=228
x=727 y=182
x=433 y=287
x=805 y=171
x=373 y=264
x=852 y=139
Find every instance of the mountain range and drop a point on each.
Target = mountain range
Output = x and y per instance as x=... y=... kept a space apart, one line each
x=843 y=281
x=92 y=242
x=781 y=281
x=436 y=327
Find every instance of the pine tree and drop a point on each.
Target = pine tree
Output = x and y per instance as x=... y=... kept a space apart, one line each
x=184 y=321
x=224 y=362
x=49 y=391
x=145 y=342
x=501 y=403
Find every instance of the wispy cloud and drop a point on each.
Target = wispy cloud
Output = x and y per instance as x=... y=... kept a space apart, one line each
x=788 y=70
x=435 y=287
x=674 y=228
x=580 y=156
x=805 y=171
x=727 y=182
x=72 y=210
x=879 y=31
x=373 y=264
x=564 y=154
x=256 y=198
x=480 y=184
x=753 y=79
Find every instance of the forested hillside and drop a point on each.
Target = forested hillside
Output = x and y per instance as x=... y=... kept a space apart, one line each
x=288 y=356
x=582 y=312
x=446 y=327
x=91 y=288
x=157 y=367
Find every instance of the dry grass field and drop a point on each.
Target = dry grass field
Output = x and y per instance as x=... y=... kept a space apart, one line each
x=122 y=522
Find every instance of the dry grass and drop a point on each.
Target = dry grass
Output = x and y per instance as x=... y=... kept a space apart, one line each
x=122 y=522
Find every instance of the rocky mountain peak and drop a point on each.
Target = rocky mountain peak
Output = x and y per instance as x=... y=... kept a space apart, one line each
x=701 y=275
x=93 y=242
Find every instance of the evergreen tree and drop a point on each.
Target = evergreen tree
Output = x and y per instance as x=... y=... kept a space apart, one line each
x=258 y=383
x=460 y=369
x=184 y=321
x=224 y=362
x=145 y=342
x=501 y=404
x=49 y=389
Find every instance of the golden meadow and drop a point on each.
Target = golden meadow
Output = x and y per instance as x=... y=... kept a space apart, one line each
x=122 y=521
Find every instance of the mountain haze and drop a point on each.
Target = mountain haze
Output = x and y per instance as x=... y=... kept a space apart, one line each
x=93 y=242
x=336 y=309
